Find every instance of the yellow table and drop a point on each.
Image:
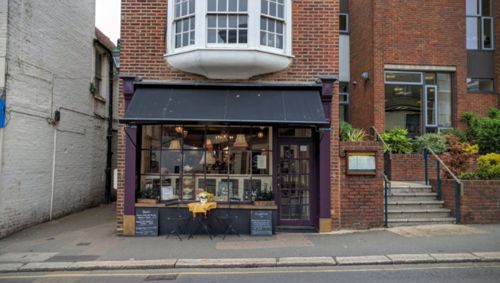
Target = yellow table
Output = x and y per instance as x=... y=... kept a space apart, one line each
x=198 y=207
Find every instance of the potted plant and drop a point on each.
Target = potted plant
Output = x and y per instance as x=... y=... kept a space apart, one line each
x=150 y=195
x=264 y=198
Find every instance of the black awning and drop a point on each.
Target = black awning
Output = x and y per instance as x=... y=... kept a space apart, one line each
x=166 y=104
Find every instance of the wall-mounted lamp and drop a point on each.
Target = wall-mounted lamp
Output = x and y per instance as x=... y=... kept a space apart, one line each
x=365 y=76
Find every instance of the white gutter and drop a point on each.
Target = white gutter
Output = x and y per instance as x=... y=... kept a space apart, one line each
x=53 y=180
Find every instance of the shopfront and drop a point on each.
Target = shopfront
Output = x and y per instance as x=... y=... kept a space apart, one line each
x=239 y=143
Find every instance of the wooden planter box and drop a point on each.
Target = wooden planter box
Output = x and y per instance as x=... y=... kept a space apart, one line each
x=264 y=203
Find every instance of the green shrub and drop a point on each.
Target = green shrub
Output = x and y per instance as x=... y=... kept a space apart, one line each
x=468 y=176
x=488 y=166
x=454 y=132
x=436 y=142
x=484 y=131
x=345 y=128
x=397 y=141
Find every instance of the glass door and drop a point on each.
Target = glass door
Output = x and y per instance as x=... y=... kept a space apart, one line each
x=294 y=184
x=430 y=107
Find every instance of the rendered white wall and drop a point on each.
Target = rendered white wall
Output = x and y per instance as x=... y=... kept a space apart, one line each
x=344 y=66
x=49 y=67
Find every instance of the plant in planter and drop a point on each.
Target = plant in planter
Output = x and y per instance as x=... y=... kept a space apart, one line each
x=488 y=168
x=484 y=130
x=397 y=141
x=264 y=197
x=435 y=142
x=149 y=195
x=348 y=133
x=457 y=159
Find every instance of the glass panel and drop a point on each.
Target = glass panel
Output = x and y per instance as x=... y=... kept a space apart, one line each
x=343 y=23
x=486 y=8
x=212 y=5
x=193 y=161
x=222 y=20
x=487 y=33
x=150 y=163
x=263 y=38
x=430 y=78
x=184 y=8
x=212 y=21
x=243 y=7
x=403 y=77
x=212 y=36
x=149 y=187
x=295 y=132
x=233 y=5
x=222 y=6
x=403 y=107
x=472 y=32
x=208 y=185
x=431 y=103
x=263 y=6
x=191 y=6
x=171 y=162
x=243 y=21
x=151 y=136
x=272 y=9
x=233 y=21
x=480 y=85
x=279 y=41
x=471 y=7
x=444 y=100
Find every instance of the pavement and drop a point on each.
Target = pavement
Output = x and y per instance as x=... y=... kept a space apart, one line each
x=88 y=241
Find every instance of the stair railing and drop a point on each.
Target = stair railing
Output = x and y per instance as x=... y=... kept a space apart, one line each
x=387 y=152
x=456 y=185
x=387 y=189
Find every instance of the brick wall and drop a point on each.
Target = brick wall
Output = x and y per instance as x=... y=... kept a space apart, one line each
x=411 y=167
x=314 y=47
x=411 y=33
x=479 y=202
x=361 y=198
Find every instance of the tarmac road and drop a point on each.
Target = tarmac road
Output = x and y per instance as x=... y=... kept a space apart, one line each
x=452 y=273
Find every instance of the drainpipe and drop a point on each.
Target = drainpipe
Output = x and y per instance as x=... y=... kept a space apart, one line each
x=109 y=135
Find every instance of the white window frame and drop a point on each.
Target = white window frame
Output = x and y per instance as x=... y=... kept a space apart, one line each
x=253 y=39
x=180 y=19
x=227 y=14
x=435 y=112
x=277 y=19
x=480 y=19
x=346 y=22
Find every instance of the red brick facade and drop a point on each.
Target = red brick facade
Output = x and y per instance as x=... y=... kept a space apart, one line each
x=361 y=198
x=423 y=32
x=478 y=202
x=143 y=35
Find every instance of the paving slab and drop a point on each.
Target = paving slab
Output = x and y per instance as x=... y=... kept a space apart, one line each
x=225 y=262
x=357 y=260
x=10 y=267
x=25 y=257
x=488 y=256
x=46 y=266
x=125 y=264
x=306 y=261
x=454 y=257
x=411 y=258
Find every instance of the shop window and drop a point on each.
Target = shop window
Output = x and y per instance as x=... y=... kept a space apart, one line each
x=480 y=85
x=295 y=132
x=479 y=24
x=417 y=101
x=181 y=161
x=344 y=23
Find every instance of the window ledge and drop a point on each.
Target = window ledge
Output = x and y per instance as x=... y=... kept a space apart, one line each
x=228 y=63
x=99 y=98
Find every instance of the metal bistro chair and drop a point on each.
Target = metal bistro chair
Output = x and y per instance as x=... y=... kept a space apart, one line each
x=228 y=221
x=179 y=221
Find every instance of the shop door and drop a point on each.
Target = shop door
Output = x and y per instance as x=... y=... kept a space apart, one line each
x=294 y=181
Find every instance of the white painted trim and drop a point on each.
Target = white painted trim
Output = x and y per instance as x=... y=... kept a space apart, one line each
x=396 y=67
x=434 y=113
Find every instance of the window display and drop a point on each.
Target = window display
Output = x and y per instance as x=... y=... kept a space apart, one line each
x=180 y=162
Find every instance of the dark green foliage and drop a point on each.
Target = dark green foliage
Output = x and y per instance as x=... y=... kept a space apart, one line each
x=397 y=141
x=345 y=129
x=484 y=131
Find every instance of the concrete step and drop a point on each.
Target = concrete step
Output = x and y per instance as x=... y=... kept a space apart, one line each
x=418 y=213
x=397 y=196
x=419 y=221
x=411 y=204
x=403 y=190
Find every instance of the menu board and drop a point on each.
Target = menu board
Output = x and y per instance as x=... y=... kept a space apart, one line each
x=261 y=223
x=146 y=222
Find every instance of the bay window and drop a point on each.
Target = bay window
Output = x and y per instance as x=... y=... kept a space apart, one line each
x=184 y=22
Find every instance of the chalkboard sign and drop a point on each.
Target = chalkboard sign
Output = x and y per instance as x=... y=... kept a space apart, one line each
x=261 y=223
x=146 y=221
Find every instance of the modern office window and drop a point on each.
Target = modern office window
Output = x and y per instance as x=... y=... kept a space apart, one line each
x=480 y=85
x=344 y=23
x=227 y=21
x=479 y=24
x=344 y=101
x=184 y=22
x=272 y=23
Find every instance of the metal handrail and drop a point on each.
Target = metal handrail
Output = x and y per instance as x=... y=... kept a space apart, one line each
x=444 y=165
x=387 y=189
x=377 y=134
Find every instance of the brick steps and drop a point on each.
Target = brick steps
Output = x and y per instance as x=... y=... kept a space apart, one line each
x=413 y=203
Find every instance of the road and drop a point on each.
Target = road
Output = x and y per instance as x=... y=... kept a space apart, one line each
x=453 y=273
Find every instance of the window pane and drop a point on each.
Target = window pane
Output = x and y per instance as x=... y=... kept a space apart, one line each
x=191 y=6
x=431 y=102
x=487 y=33
x=271 y=25
x=279 y=41
x=178 y=27
x=263 y=7
x=191 y=38
x=430 y=78
x=279 y=27
x=480 y=85
x=281 y=9
x=403 y=77
x=178 y=41
x=444 y=100
x=270 y=40
x=471 y=7
x=233 y=5
x=212 y=5
x=212 y=36
x=232 y=36
x=184 y=8
x=486 y=8
x=222 y=20
x=185 y=39
x=263 y=23
x=243 y=36
x=191 y=23
x=263 y=38
x=243 y=21
x=222 y=5
x=243 y=5
x=233 y=21
x=222 y=36
x=472 y=33
x=185 y=25
x=343 y=22
x=212 y=21
x=272 y=9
